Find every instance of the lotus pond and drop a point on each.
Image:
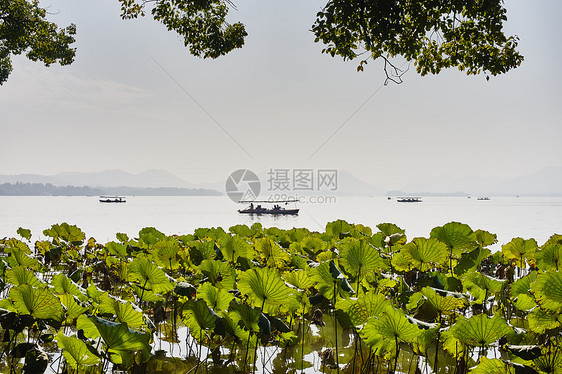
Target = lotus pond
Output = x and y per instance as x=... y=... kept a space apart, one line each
x=254 y=299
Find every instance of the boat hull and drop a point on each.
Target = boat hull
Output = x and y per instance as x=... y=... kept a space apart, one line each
x=270 y=211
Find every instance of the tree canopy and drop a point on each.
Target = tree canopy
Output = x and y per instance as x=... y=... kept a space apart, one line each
x=433 y=34
x=24 y=29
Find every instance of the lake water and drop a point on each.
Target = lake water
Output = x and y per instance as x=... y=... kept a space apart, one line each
x=508 y=217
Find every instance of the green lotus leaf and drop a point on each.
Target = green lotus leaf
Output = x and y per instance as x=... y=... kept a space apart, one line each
x=12 y=244
x=479 y=330
x=73 y=308
x=164 y=253
x=18 y=257
x=493 y=366
x=547 y=290
x=21 y=275
x=198 y=317
x=116 y=249
x=233 y=247
x=66 y=232
x=470 y=261
x=146 y=295
x=400 y=263
x=241 y=230
x=202 y=250
x=550 y=361
x=24 y=233
x=75 y=351
x=149 y=275
x=382 y=333
x=338 y=229
x=481 y=285
x=63 y=284
x=484 y=238
x=453 y=345
x=212 y=233
x=220 y=274
x=271 y=253
x=120 y=337
x=265 y=288
x=246 y=316
x=149 y=236
x=217 y=299
x=327 y=284
x=361 y=309
x=519 y=292
x=299 y=278
x=443 y=304
x=425 y=254
x=519 y=249
x=540 y=321
x=312 y=245
x=122 y=237
x=124 y=312
x=458 y=237
x=84 y=323
x=549 y=257
x=359 y=257
x=94 y=293
x=40 y=303
x=392 y=235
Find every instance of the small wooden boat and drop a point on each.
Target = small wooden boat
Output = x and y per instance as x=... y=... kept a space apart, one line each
x=409 y=199
x=275 y=210
x=112 y=199
x=483 y=198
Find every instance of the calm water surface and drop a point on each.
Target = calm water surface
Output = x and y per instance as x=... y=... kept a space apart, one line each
x=508 y=217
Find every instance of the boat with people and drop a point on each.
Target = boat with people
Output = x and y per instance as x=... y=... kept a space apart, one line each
x=113 y=199
x=409 y=199
x=483 y=198
x=275 y=210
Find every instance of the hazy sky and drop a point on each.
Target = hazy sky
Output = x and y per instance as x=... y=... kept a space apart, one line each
x=135 y=99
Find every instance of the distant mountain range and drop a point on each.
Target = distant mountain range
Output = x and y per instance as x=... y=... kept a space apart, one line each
x=545 y=182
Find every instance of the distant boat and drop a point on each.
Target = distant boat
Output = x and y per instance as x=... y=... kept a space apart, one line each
x=275 y=210
x=409 y=199
x=483 y=198
x=112 y=199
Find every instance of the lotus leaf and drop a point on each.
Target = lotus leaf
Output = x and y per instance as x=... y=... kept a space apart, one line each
x=445 y=305
x=548 y=291
x=233 y=247
x=312 y=245
x=149 y=275
x=116 y=249
x=198 y=317
x=217 y=299
x=299 y=278
x=540 y=321
x=241 y=230
x=338 y=229
x=20 y=275
x=124 y=312
x=458 y=237
x=549 y=257
x=359 y=257
x=361 y=309
x=63 y=284
x=484 y=238
x=76 y=352
x=383 y=334
x=271 y=253
x=479 y=330
x=425 y=254
x=493 y=366
x=73 y=308
x=24 y=233
x=18 y=257
x=164 y=253
x=66 y=232
x=219 y=273
x=265 y=288
x=120 y=337
x=149 y=236
x=329 y=281
x=481 y=285
x=40 y=303
x=519 y=250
